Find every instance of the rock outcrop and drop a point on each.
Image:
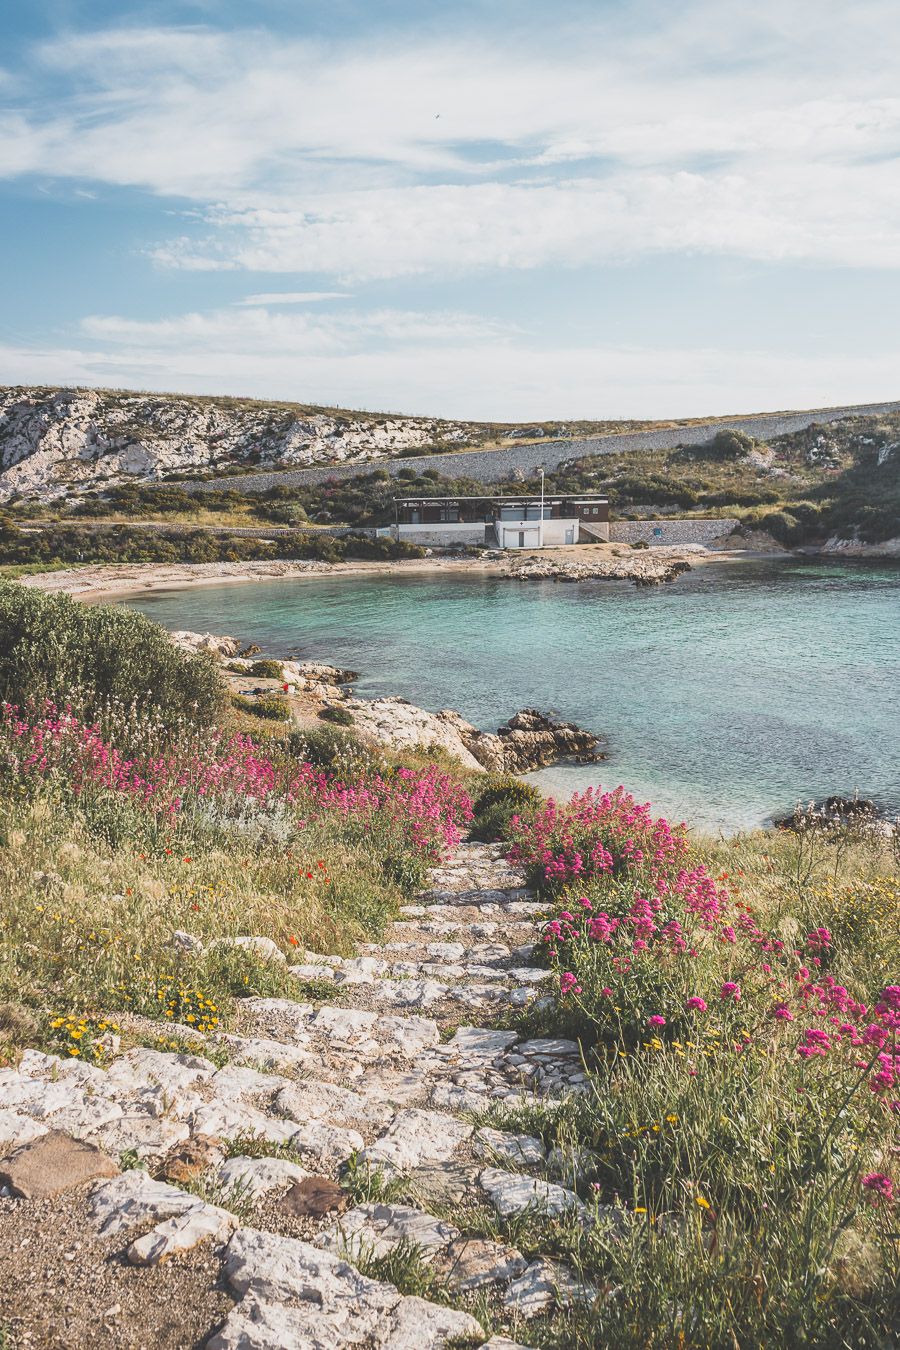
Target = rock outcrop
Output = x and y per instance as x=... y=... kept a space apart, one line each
x=839 y=813
x=649 y=567
x=529 y=740
x=54 y=442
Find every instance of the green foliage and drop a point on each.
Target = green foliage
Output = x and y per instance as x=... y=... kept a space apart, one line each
x=269 y=707
x=341 y=717
x=267 y=670
x=54 y=648
x=501 y=798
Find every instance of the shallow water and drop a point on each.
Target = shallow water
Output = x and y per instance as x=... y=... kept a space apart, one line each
x=724 y=697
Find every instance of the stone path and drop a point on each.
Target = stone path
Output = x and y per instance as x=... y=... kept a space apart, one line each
x=386 y=1076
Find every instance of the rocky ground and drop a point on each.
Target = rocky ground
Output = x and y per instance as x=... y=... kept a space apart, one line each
x=190 y=1198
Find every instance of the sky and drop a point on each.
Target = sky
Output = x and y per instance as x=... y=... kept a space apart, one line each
x=489 y=209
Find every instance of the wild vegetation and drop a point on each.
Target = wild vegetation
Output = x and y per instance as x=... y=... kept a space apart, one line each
x=737 y=1002
x=740 y=1012
x=841 y=479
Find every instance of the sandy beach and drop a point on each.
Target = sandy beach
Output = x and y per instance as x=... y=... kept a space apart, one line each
x=612 y=562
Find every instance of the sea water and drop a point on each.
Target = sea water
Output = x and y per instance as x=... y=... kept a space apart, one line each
x=722 y=698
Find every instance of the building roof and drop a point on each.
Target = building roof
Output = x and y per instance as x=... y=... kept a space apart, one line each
x=518 y=497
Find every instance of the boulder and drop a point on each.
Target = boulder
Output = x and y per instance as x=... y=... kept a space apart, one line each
x=53 y=1163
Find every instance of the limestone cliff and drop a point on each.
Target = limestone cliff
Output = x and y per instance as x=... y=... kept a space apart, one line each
x=56 y=441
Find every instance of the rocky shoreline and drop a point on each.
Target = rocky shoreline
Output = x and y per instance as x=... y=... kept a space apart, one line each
x=529 y=740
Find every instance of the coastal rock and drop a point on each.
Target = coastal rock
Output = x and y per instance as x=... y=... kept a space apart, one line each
x=836 y=813
x=216 y=645
x=650 y=568
x=529 y=740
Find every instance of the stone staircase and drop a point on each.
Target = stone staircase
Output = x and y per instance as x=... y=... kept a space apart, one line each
x=388 y=1076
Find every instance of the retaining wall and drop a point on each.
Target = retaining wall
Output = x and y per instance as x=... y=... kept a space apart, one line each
x=685 y=531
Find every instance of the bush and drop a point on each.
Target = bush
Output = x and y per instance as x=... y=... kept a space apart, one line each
x=270 y=707
x=341 y=717
x=267 y=670
x=340 y=753
x=54 y=648
x=500 y=800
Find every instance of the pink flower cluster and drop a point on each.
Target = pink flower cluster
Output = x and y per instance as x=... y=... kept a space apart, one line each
x=595 y=834
x=427 y=809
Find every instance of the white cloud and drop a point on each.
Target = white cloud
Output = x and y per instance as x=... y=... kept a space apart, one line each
x=415 y=364
x=260 y=332
x=768 y=131
x=292 y=297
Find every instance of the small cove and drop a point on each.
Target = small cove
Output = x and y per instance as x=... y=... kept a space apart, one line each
x=728 y=695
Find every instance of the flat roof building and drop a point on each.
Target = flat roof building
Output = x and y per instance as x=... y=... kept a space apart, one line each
x=503 y=521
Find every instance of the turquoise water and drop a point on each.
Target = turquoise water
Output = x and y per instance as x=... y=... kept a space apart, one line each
x=724 y=697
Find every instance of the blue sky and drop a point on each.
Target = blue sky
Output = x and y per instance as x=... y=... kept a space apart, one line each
x=497 y=210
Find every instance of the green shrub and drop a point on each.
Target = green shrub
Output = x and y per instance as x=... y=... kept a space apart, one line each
x=323 y=746
x=270 y=707
x=341 y=717
x=267 y=670
x=54 y=648
x=502 y=798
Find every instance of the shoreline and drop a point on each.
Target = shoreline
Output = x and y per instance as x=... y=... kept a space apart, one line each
x=103 y=580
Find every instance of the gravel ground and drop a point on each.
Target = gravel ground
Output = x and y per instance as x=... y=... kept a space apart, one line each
x=59 y=1291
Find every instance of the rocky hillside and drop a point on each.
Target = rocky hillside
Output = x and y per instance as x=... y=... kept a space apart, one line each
x=54 y=441
x=57 y=442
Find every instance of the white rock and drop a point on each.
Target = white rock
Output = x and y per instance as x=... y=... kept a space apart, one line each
x=344 y=1024
x=340 y=1306
x=325 y=1144
x=415 y=1137
x=199 y=1224
x=361 y=970
x=525 y=1149
x=544 y=1284
x=134 y=1197
x=512 y=1193
x=409 y=993
x=376 y=1229
x=311 y=972
x=451 y=1097
x=16 y=1130
x=418 y=1325
x=411 y=1034
x=474 y=1263
x=472 y=1041
x=446 y=951
x=258 y=1176
x=310 y=1100
x=235 y=1081
x=143 y=1066
x=225 y=1120
x=259 y=1053
x=147 y=1135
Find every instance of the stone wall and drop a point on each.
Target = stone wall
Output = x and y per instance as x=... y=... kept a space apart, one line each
x=684 y=531
x=442 y=536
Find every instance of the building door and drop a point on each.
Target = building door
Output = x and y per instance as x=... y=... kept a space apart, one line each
x=521 y=539
x=570 y=536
